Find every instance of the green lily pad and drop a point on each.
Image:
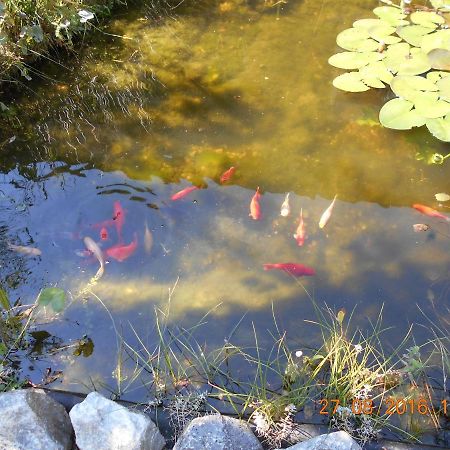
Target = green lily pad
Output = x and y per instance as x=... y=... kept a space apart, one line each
x=53 y=297
x=354 y=60
x=413 y=34
x=435 y=76
x=427 y=19
x=444 y=88
x=439 y=59
x=399 y=114
x=428 y=105
x=356 y=40
x=392 y=16
x=414 y=64
x=394 y=53
x=406 y=86
x=440 y=128
x=350 y=82
x=438 y=39
x=440 y=4
x=374 y=74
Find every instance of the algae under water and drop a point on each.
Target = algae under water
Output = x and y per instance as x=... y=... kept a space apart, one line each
x=190 y=92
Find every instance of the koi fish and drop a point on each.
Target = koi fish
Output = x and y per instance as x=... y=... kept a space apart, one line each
x=122 y=252
x=119 y=219
x=103 y=234
x=298 y=270
x=29 y=251
x=181 y=194
x=300 y=234
x=430 y=211
x=148 y=239
x=95 y=249
x=255 y=210
x=327 y=214
x=103 y=224
x=226 y=176
x=285 y=208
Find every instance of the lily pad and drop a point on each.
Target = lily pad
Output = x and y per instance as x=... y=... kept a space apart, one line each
x=406 y=86
x=439 y=59
x=413 y=34
x=350 y=82
x=375 y=74
x=444 y=88
x=441 y=4
x=414 y=64
x=356 y=40
x=354 y=60
x=390 y=15
x=53 y=297
x=427 y=19
x=399 y=114
x=440 y=128
x=430 y=107
x=438 y=39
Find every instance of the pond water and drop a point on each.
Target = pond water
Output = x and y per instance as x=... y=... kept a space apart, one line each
x=185 y=94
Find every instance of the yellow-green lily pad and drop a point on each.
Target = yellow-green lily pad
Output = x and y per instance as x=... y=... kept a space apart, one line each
x=399 y=114
x=406 y=86
x=427 y=19
x=354 y=60
x=444 y=88
x=356 y=40
x=375 y=74
x=439 y=58
x=350 y=82
x=438 y=39
x=414 y=64
x=428 y=106
x=440 y=128
x=389 y=14
x=413 y=34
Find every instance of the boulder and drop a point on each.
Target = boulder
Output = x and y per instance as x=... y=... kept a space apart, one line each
x=340 y=440
x=101 y=424
x=30 y=419
x=219 y=433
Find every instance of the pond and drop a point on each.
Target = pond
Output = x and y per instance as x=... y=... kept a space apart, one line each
x=186 y=93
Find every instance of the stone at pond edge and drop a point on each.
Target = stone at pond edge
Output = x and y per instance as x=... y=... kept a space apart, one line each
x=30 y=419
x=101 y=424
x=219 y=433
x=340 y=440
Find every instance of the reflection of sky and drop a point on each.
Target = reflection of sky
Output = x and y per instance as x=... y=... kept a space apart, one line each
x=200 y=94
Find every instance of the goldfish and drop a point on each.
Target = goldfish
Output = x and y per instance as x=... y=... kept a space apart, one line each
x=148 y=239
x=183 y=193
x=430 y=211
x=119 y=219
x=300 y=234
x=285 y=208
x=103 y=234
x=92 y=246
x=255 y=210
x=122 y=252
x=327 y=214
x=29 y=251
x=226 y=176
x=298 y=270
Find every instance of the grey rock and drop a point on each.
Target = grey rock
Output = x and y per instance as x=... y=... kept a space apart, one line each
x=101 y=424
x=31 y=420
x=219 y=433
x=340 y=440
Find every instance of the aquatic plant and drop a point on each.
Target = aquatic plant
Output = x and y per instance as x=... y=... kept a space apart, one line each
x=397 y=49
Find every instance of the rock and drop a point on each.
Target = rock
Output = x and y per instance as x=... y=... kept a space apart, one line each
x=101 y=424
x=30 y=419
x=219 y=433
x=340 y=440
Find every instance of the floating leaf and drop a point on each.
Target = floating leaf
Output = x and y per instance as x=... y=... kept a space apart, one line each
x=440 y=128
x=413 y=34
x=356 y=40
x=440 y=4
x=442 y=197
x=435 y=76
x=438 y=39
x=414 y=64
x=406 y=86
x=444 y=88
x=354 y=60
x=427 y=19
x=399 y=115
x=439 y=59
x=390 y=15
x=428 y=106
x=375 y=74
x=350 y=82
x=53 y=297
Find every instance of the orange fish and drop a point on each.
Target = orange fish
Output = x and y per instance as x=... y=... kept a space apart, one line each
x=430 y=211
x=300 y=234
x=119 y=219
x=103 y=234
x=122 y=252
x=183 y=193
x=298 y=270
x=226 y=176
x=255 y=210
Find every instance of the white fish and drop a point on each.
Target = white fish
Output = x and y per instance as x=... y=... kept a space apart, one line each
x=30 y=251
x=92 y=246
x=327 y=214
x=285 y=208
x=148 y=239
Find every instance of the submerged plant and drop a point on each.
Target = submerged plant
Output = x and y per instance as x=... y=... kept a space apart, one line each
x=396 y=49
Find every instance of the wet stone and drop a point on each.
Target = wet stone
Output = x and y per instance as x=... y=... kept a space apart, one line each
x=219 y=433
x=101 y=424
x=340 y=440
x=30 y=419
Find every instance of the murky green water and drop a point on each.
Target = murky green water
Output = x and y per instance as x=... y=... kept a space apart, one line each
x=190 y=92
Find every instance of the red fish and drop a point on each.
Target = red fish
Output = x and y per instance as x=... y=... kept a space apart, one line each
x=119 y=219
x=183 y=193
x=226 y=176
x=298 y=270
x=122 y=252
x=255 y=210
x=300 y=234
x=103 y=234
x=430 y=211
x=104 y=224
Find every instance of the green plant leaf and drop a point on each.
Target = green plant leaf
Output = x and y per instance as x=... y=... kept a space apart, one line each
x=416 y=63
x=340 y=316
x=440 y=4
x=350 y=82
x=390 y=15
x=413 y=34
x=53 y=297
x=354 y=60
x=439 y=58
x=427 y=19
x=398 y=114
x=428 y=106
x=356 y=40
x=438 y=39
x=4 y=300
x=375 y=74
x=440 y=128
x=406 y=86
x=444 y=88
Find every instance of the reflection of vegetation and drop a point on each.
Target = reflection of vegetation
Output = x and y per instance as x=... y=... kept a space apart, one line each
x=394 y=50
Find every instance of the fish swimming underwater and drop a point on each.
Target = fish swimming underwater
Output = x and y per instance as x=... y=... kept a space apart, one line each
x=119 y=219
x=148 y=239
x=92 y=246
x=300 y=234
x=29 y=251
x=298 y=270
x=122 y=252
x=104 y=234
x=181 y=194
x=285 y=208
x=327 y=214
x=255 y=209
x=226 y=176
x=430 y=212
